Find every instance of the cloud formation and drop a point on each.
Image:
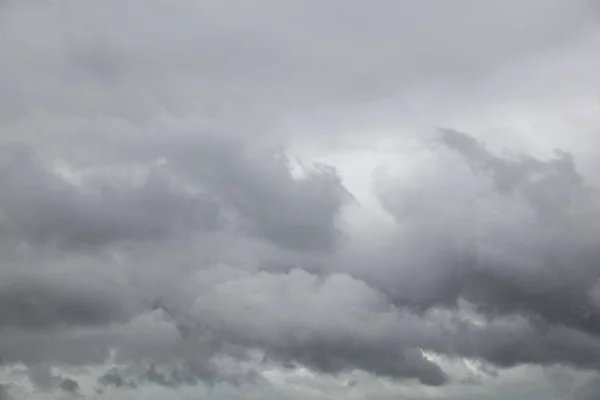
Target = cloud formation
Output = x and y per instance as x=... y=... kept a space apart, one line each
x=154 y=219
x=510 y=242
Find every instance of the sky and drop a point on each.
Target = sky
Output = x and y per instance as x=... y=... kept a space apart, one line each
x=300 y=199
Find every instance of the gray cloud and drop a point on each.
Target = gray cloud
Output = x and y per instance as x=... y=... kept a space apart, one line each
x=587 y=390
x=242 y=62
x=181 y=197
x=89 y=230
x=4 y=393
x=335 y=307
x=554 y=273
x=511 y=235
x=364 y=308
x=35 y=302
x=132 y=220
x=112 y=378
x=43 y=208
x=69 y=385
x=42 y=376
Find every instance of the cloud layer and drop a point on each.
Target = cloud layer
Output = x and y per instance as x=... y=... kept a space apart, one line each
x=153 y=217
x=491 y=258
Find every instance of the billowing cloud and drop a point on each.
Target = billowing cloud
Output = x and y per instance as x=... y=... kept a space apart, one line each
x=157 y=229
x=499 y=232
x=452 y=260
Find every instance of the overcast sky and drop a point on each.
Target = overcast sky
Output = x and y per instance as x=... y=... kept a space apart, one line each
x=300 y=199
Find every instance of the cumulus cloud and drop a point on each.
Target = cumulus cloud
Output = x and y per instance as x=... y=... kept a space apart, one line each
x=500 y=232
x=511 y=236
x=154 y=220
x=44 y=208
x=72 y=236
x=457 y=249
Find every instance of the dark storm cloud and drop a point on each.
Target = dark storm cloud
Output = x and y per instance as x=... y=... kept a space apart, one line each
x=332 y=358
x=479 y=221
x=119 y=197
x=43 y=208
x=44 y=302
x=64 y=235
x=69 y=345
x=69 y=385
x=511 y=235
x=333 y=324
x=296 y=214
x=112 y=378
x=259 y=185
x=551 y=253
x=369 y=308
x=201 y=178
x=341 y=324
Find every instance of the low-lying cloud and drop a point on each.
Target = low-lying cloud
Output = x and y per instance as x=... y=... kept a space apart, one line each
x=154 y=219
x=492 y=258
